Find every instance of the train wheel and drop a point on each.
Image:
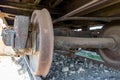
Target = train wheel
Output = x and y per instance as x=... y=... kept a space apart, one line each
x=42 y=42
x=112 y=56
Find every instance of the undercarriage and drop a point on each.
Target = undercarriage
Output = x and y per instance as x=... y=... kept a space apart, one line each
x=36 y=28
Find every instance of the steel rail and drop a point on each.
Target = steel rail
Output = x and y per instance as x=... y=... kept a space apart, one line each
x=28 y=66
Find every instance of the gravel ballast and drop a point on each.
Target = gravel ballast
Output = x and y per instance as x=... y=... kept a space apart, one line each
x=63 y=68
x=66 y=68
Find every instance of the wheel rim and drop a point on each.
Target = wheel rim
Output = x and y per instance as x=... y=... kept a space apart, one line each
x=42 y=39
x=111 y=56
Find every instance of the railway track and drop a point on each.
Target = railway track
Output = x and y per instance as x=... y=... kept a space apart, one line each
x=31 y=73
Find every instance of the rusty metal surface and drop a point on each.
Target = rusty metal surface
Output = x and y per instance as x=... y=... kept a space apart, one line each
x=112 y=10
x=74 y=4
x=5 y=50
x=82 y=8
x=36 y=2
x=72 y=33
x=21 y=1
x=14 y=7
x=24 y=9
x=62 y=6
x=8 y=37
x=21 y=25
x=41 y=61
x=2 y=16
x=112 y=56
x=13 y=40
x=106 y=19
x=13 y=0
x=101 y=6
x=74 y=42
x=54 y=3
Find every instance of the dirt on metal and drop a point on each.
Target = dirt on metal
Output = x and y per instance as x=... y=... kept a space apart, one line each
x=43 y=29
x=112 y=56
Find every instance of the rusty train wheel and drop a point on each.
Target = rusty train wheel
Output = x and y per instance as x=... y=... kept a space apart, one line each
x=42 y=42
x=112 y=56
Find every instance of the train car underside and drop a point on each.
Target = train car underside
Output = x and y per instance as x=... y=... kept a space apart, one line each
x=37 y=27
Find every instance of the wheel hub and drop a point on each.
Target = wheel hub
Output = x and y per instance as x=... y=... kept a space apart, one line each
x=112 y=55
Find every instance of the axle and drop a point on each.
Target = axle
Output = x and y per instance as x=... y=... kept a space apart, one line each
x=21 y=41
x=75 y=42
x=61 y=42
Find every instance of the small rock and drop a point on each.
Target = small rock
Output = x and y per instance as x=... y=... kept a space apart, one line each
x=106 y=79
x=85 y=63
x=53 y=78
x=61 y=62
x=72 y=72
x=98 y=78
x=65 y=69
x=91 y=64
x=96 y=73
x=81 y=70
x=65 y=74
x=106 y=71
x=101 y=65
x=57 y=63
x=71 y=65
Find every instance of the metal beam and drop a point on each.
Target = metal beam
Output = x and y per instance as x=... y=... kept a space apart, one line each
x=106 y=19
x=101 y=6
x=82 y=8
x=36 y=2
x=9 y=16
x=108 y=11
x=54 y=3
x=24 y=9
x=13 y=7
x=74 y=42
